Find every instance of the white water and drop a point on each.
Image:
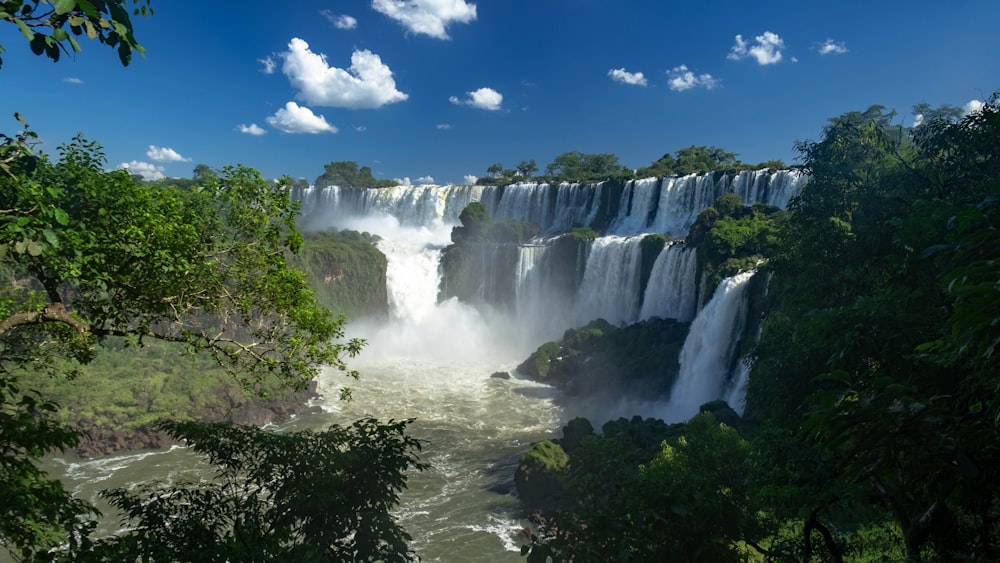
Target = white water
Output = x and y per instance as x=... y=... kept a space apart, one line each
x=709 y=349
x=670 y=293
x=610 y=288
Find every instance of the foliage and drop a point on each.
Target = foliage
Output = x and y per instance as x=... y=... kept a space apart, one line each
x=51 y=27
x=90 y=256
x=692 y=160
x=688 y=495
x=879 y=346
x=347 y=272
x=304 y=496
x=731 y=237
x=580 y=167
x=347 y=174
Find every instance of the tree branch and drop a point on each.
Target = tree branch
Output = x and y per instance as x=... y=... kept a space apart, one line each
x=53 y=312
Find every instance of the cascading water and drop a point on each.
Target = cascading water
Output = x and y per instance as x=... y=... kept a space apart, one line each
x=708 y=352
x=610 y=288
x=671 y=292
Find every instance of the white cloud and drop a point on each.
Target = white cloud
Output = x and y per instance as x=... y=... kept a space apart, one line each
x=267 y=64
x=360 y=128
x=404 y=181
x=766 y=49
x=625 y=77
x=831 y=47
x=146 y=170
x=367 y=84
x=972 y=107
x=444 y=126
x=429 y=17
x=252 y=129
x=425 y=180
x=342 y=21
x=164 y=154
x=483 y=98
x=471 y=179
x=294 y=118
x=918 y=120
x=680 y=78
x=73 y=80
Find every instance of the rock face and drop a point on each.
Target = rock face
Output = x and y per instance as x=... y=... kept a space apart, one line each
x=97 y=442
x=640 y=360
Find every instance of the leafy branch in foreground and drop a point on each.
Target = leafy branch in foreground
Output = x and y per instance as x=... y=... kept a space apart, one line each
x=303 y=496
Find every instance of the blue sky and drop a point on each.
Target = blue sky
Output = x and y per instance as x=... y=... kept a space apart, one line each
x=437 y=90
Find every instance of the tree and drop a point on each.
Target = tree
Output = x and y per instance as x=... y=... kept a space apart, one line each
x=575 y=166
x=527 y=169
x=202 y=172
x=880 y=344
x=303 y=496
x=45 y=23
x=690 y=501
x=89 y=255
x=495 y=169
x=346 y=174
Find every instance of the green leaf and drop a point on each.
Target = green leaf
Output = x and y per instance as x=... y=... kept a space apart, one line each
x=25 y=30
x=34 y=248
x=51 y=237
x=65 y=6
x=62 y=217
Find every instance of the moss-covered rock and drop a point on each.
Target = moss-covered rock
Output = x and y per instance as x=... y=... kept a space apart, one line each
x=639 y=360
x=540 y=477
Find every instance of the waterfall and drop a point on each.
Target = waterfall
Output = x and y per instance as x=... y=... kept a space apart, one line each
x=412 y=279
x=670 y=293
x=610 y=288
x=637 y=203
x=737 y=394
x=708 y=352
x=667 y=206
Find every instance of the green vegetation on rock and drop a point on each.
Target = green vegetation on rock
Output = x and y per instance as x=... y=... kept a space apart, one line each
x=347 y=272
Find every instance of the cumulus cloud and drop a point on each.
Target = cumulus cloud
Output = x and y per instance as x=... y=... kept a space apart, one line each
x=267 y=65
x=972 y=107
x=471 y=179
x=73 y=80
x=403 y=181
x=164 y=154
x=367 y=84
x=145 y=169
x=425 y=180
x=766 y=48
x=294 y=118
x=831 y=47
x=625 y=77
x=252 y=129
x=680 y=78
x=428 y=17
x=341 y=21
x=483 y=98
